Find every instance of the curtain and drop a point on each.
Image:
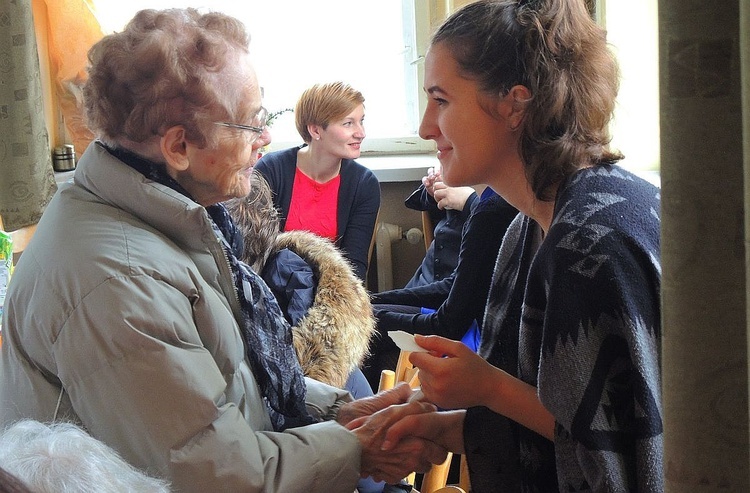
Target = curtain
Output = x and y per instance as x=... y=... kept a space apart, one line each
x=26 y=178
x=72 y=28
x=65 y=30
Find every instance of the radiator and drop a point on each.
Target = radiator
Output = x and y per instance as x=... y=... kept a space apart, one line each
x=385 y=236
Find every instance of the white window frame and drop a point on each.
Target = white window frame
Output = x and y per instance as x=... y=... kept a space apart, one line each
x=421 y=13
x=415 y=43
x=635 y=127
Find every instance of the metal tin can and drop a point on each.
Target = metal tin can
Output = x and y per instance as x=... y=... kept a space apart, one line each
x=64 y=158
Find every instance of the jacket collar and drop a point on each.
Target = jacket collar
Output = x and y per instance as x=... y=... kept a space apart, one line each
x=167 y=210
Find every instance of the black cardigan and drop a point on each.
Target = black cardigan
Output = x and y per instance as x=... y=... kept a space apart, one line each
x=467 y=286
x=441 y=257
x=358 y=202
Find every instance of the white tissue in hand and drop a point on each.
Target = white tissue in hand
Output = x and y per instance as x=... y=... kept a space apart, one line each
x=405 y=341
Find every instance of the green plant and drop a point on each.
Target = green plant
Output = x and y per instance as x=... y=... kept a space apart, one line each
x=275 y=114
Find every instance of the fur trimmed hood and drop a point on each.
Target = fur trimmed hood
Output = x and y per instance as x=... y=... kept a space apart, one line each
x=334 y=336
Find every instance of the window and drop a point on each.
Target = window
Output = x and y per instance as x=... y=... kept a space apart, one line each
x=633 y=33
x=375 y=46
x=297 y=43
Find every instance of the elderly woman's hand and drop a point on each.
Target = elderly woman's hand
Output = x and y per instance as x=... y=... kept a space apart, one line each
x=398 y=459
x=367 y=406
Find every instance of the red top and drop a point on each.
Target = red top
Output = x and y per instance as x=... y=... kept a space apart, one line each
x=314 y=206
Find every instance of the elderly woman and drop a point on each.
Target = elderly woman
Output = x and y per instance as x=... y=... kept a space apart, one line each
x=130 y=313
x=318 y=186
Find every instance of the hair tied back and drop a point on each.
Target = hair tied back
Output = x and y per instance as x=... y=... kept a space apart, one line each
x=531 y=4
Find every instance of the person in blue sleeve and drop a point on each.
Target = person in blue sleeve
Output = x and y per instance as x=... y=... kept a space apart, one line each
x=449 y=209
x=452 y=307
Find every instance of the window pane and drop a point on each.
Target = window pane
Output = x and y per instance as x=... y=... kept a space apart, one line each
x=297 y=43
x=635 y=129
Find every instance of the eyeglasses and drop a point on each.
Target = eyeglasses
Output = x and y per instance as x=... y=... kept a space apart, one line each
x=256 y=129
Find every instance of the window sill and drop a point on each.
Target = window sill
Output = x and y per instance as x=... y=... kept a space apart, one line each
x=388 y=168
x=399 y=168
x=63 y=176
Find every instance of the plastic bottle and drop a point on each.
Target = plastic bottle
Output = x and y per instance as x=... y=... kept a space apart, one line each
x=6 y=269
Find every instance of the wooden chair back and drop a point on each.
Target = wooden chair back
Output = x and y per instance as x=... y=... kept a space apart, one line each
x=450 y=489
x=437 y=476
x=373 y=240
x=428 y=230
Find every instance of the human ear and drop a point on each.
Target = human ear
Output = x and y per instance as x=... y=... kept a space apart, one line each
x=514 y=104
x=174 y=148
x=314 y=131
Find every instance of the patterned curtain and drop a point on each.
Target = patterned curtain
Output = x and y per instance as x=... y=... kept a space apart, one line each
x=26 y=178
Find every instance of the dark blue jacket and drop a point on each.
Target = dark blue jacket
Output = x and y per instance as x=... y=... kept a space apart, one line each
x=292 y=281
x=467 y=287
x=441 y=257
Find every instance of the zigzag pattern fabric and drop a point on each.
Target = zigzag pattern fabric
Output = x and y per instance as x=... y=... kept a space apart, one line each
x=577 y=315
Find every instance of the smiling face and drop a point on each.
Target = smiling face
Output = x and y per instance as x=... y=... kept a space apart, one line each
x=343 y=137
x=474 y=147
x=222 y=171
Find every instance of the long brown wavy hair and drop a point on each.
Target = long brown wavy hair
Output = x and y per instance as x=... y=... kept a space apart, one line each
x=556 y=50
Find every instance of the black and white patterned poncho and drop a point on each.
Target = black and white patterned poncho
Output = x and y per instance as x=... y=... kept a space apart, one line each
x=577 y=315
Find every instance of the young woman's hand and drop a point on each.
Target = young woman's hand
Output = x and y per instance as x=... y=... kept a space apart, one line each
x=451 y=375
x=403 y=455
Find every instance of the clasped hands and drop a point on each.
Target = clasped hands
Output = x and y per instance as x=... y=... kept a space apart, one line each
x=399 y=437
x=370 y=418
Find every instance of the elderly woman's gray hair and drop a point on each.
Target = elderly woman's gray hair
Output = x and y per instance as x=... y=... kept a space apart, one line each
x=63 y=457
x=137 y=87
